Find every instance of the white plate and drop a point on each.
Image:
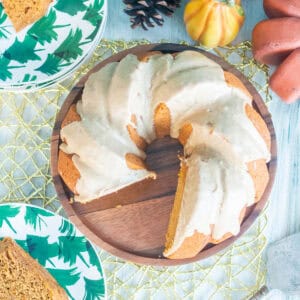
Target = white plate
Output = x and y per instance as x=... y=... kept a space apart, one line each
x=58 y=246
x=52 y=48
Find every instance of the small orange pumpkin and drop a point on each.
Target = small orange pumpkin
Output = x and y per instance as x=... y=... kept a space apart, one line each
x=214 y=22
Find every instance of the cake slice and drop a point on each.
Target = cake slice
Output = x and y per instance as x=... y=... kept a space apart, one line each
x=190 y=246
x=22 y=277
x=22 y=13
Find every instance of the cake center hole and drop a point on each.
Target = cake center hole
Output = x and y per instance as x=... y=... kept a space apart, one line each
x=163 y=158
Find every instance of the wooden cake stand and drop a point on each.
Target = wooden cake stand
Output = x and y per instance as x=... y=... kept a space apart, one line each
x=132 y=223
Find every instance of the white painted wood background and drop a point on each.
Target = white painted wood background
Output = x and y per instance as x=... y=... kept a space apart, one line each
x=284 y=208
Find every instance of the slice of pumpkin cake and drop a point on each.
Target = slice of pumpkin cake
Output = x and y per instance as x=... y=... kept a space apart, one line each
x=22 y=13
x=22 y=277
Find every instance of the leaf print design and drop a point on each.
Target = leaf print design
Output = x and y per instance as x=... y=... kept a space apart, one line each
x=4 y=69
x=93 y=257
x=33 y=217
x=7 y=212
x=27 y=53
x=70 y=248
x=3 y=15
x=54 y=45
x=71 y=7
x=40 y=249
x=66 y=254
x=70 y=48
x=3 y=31
x=65 y=277
x=92 y=36
x=43 y=31
x=94 y=289
x=92 y=14
x=51 y=66
x=67 y=228
x=23 y=244
x=28 y=78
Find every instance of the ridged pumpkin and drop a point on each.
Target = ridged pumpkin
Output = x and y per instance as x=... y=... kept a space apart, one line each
x=213 y=22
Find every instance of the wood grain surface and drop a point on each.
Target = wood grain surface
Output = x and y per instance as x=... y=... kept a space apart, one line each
x=132 y=223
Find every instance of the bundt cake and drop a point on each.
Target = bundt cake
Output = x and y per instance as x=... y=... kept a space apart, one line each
x=22 y=277
x=128 y=104
x=22 y=13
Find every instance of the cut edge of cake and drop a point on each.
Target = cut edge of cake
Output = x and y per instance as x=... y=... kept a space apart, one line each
x=22 y=277
x=23 y=13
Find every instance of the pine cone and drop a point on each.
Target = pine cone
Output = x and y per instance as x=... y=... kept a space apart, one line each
x=147 y=13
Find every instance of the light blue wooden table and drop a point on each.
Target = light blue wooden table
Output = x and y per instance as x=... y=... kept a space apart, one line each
x=284 y=207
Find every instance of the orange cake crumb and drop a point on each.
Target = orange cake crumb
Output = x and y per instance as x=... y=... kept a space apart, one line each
x=22 y=13
x=22 y=277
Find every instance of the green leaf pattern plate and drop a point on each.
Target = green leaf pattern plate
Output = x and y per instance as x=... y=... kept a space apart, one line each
x=58 y=246
x=53 y=47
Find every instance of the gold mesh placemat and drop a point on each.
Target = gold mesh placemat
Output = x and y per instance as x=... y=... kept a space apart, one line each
x=26 y=122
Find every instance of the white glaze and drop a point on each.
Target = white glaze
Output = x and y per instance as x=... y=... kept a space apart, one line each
x=217 y=188
x=223 y=140
x=100 y=162
x=205 y=201
x=227 y=117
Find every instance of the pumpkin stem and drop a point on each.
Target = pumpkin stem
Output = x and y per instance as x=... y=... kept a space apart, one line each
x=228 y=2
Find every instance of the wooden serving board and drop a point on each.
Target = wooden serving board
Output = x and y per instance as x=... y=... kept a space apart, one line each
x=132 y=223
